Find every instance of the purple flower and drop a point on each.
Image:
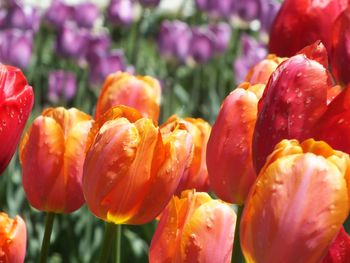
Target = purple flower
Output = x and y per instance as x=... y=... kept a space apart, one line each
x=248 y=10
x=98 y=44
x=120 y=12
x=268 y=14
x=103 y=64
x=252 y=53
x=62 y=85
x=174 y=39
x=23 y=17
x=202 y=44
x=86 y=14
x=222 y=36
x=72 y=41
x=149 y=3
x=58 y=13
x=16 y=47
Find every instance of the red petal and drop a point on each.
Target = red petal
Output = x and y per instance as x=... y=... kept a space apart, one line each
x=339 y=251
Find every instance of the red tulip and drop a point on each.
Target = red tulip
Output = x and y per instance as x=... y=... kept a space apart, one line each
x=302 y=22
x=16 y=102
x=229 y=153
x=13 y=238
x=339 y=251
x=196 y=174
x=340 y=50
x=194 y=228
x=293 y=101
x=297 y=205
x=52 y=154
x=132 y=169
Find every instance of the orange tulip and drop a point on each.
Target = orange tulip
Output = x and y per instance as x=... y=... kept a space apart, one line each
x=132 y=169
x=140 y=92
x=297 y=205
x=13 y=238
x=262 y=71
x=229 y=151
x=196 y=174
x=194 y=228
x=52 y=157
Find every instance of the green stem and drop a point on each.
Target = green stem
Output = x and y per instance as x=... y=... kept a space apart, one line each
x=237 y=256
x=118 y=243
x=50 y=216
x=107 y=242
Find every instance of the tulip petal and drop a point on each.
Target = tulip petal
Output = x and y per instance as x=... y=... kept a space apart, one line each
x=44 y=141
x=211 y=226
x=294 y=210
x=229 y=154
x=293 y=101
x=339 y=251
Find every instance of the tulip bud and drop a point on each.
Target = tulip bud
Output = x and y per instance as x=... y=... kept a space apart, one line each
x=229 y=153
x=262 y=71
x=16 y=102
x=121 y=88
x=195 y=175
x=132 y=169
x=194 y=228
x=52 y=154
x=297 y=205
x=290 y=33
x=13 y=238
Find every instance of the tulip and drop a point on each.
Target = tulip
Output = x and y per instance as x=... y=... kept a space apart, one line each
x=174 y=40
x=72 y=41
x=222 y=36
x=194 y=228
x=261 y=72
x=202 y=46
x=290 y=33
x=140 y=92
x=52 y=157
x=86 y=14
x=16 y=102
x=339 y=251
x=216 y=8
x=23 y=17
x=229 y=153
x=120 y=12
x=58 y=13
x=196 y=174
x=340 y=53
x=132 y=169
x=104 y=63
x=268 y=14
x=16 y=47
x=297 y=205
x=62 y=85
x=293 y=101
x=13 y=238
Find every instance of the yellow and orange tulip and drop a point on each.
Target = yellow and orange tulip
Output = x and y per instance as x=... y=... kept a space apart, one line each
x=140 y=92
x=52 y=154
x=194 y=228
x=132 y=169
x=229 y=151
x=196 y=174
x=13 y=238
x=297 y=205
